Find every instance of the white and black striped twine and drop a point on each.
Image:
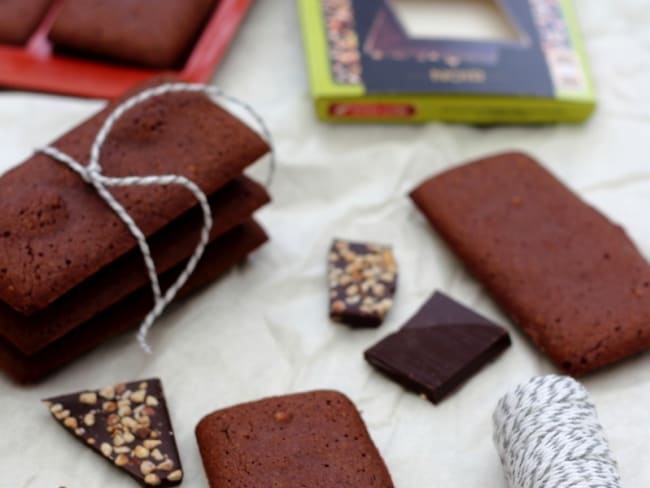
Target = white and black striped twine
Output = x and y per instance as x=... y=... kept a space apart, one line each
x=548 y=436
x=92 y=174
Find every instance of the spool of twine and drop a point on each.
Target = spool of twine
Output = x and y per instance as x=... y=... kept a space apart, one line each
x=548 y=436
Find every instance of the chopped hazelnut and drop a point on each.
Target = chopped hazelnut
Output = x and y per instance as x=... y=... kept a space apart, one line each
x=89 y=398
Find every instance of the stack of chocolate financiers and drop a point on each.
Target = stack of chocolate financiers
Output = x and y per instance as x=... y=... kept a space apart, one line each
x=71 y=274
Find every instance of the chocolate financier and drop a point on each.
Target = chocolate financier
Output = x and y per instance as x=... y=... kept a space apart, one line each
x=572 y=279
x=20 y=18
x=231 y=206
x=227 y=251
x=155 y=34
x=315 y=439
x=56 y=230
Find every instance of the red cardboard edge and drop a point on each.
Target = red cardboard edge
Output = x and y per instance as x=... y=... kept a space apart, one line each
x=35 y=67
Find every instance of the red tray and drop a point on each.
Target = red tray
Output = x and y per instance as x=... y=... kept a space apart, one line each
x=36 y=67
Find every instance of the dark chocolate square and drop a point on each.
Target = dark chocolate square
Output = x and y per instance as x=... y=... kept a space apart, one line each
x=443 y=345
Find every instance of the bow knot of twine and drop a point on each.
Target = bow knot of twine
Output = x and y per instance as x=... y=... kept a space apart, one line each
x=92 y=174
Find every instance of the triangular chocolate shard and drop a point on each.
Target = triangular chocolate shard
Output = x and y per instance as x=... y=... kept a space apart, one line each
x=128 y=424
x=439 y=348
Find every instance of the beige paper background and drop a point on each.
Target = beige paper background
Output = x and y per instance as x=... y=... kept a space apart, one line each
x=263 y=330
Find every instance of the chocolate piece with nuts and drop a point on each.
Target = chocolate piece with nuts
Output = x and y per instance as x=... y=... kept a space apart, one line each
x=128 y=424
x=363 y=279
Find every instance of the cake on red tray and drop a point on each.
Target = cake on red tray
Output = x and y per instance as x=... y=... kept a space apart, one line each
x=316 y=439
x=155 y=34
x=20 y=18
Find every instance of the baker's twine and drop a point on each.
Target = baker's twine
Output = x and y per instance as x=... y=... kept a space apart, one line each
x=548 y=436
x=92 y=174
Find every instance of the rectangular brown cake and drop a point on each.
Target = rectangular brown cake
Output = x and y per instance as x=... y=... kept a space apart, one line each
x=157 y=33
x=56 y=231
x=20 y=18
x=230 y=206
x=220 y=256
x=316 y=440
x=572 y=279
